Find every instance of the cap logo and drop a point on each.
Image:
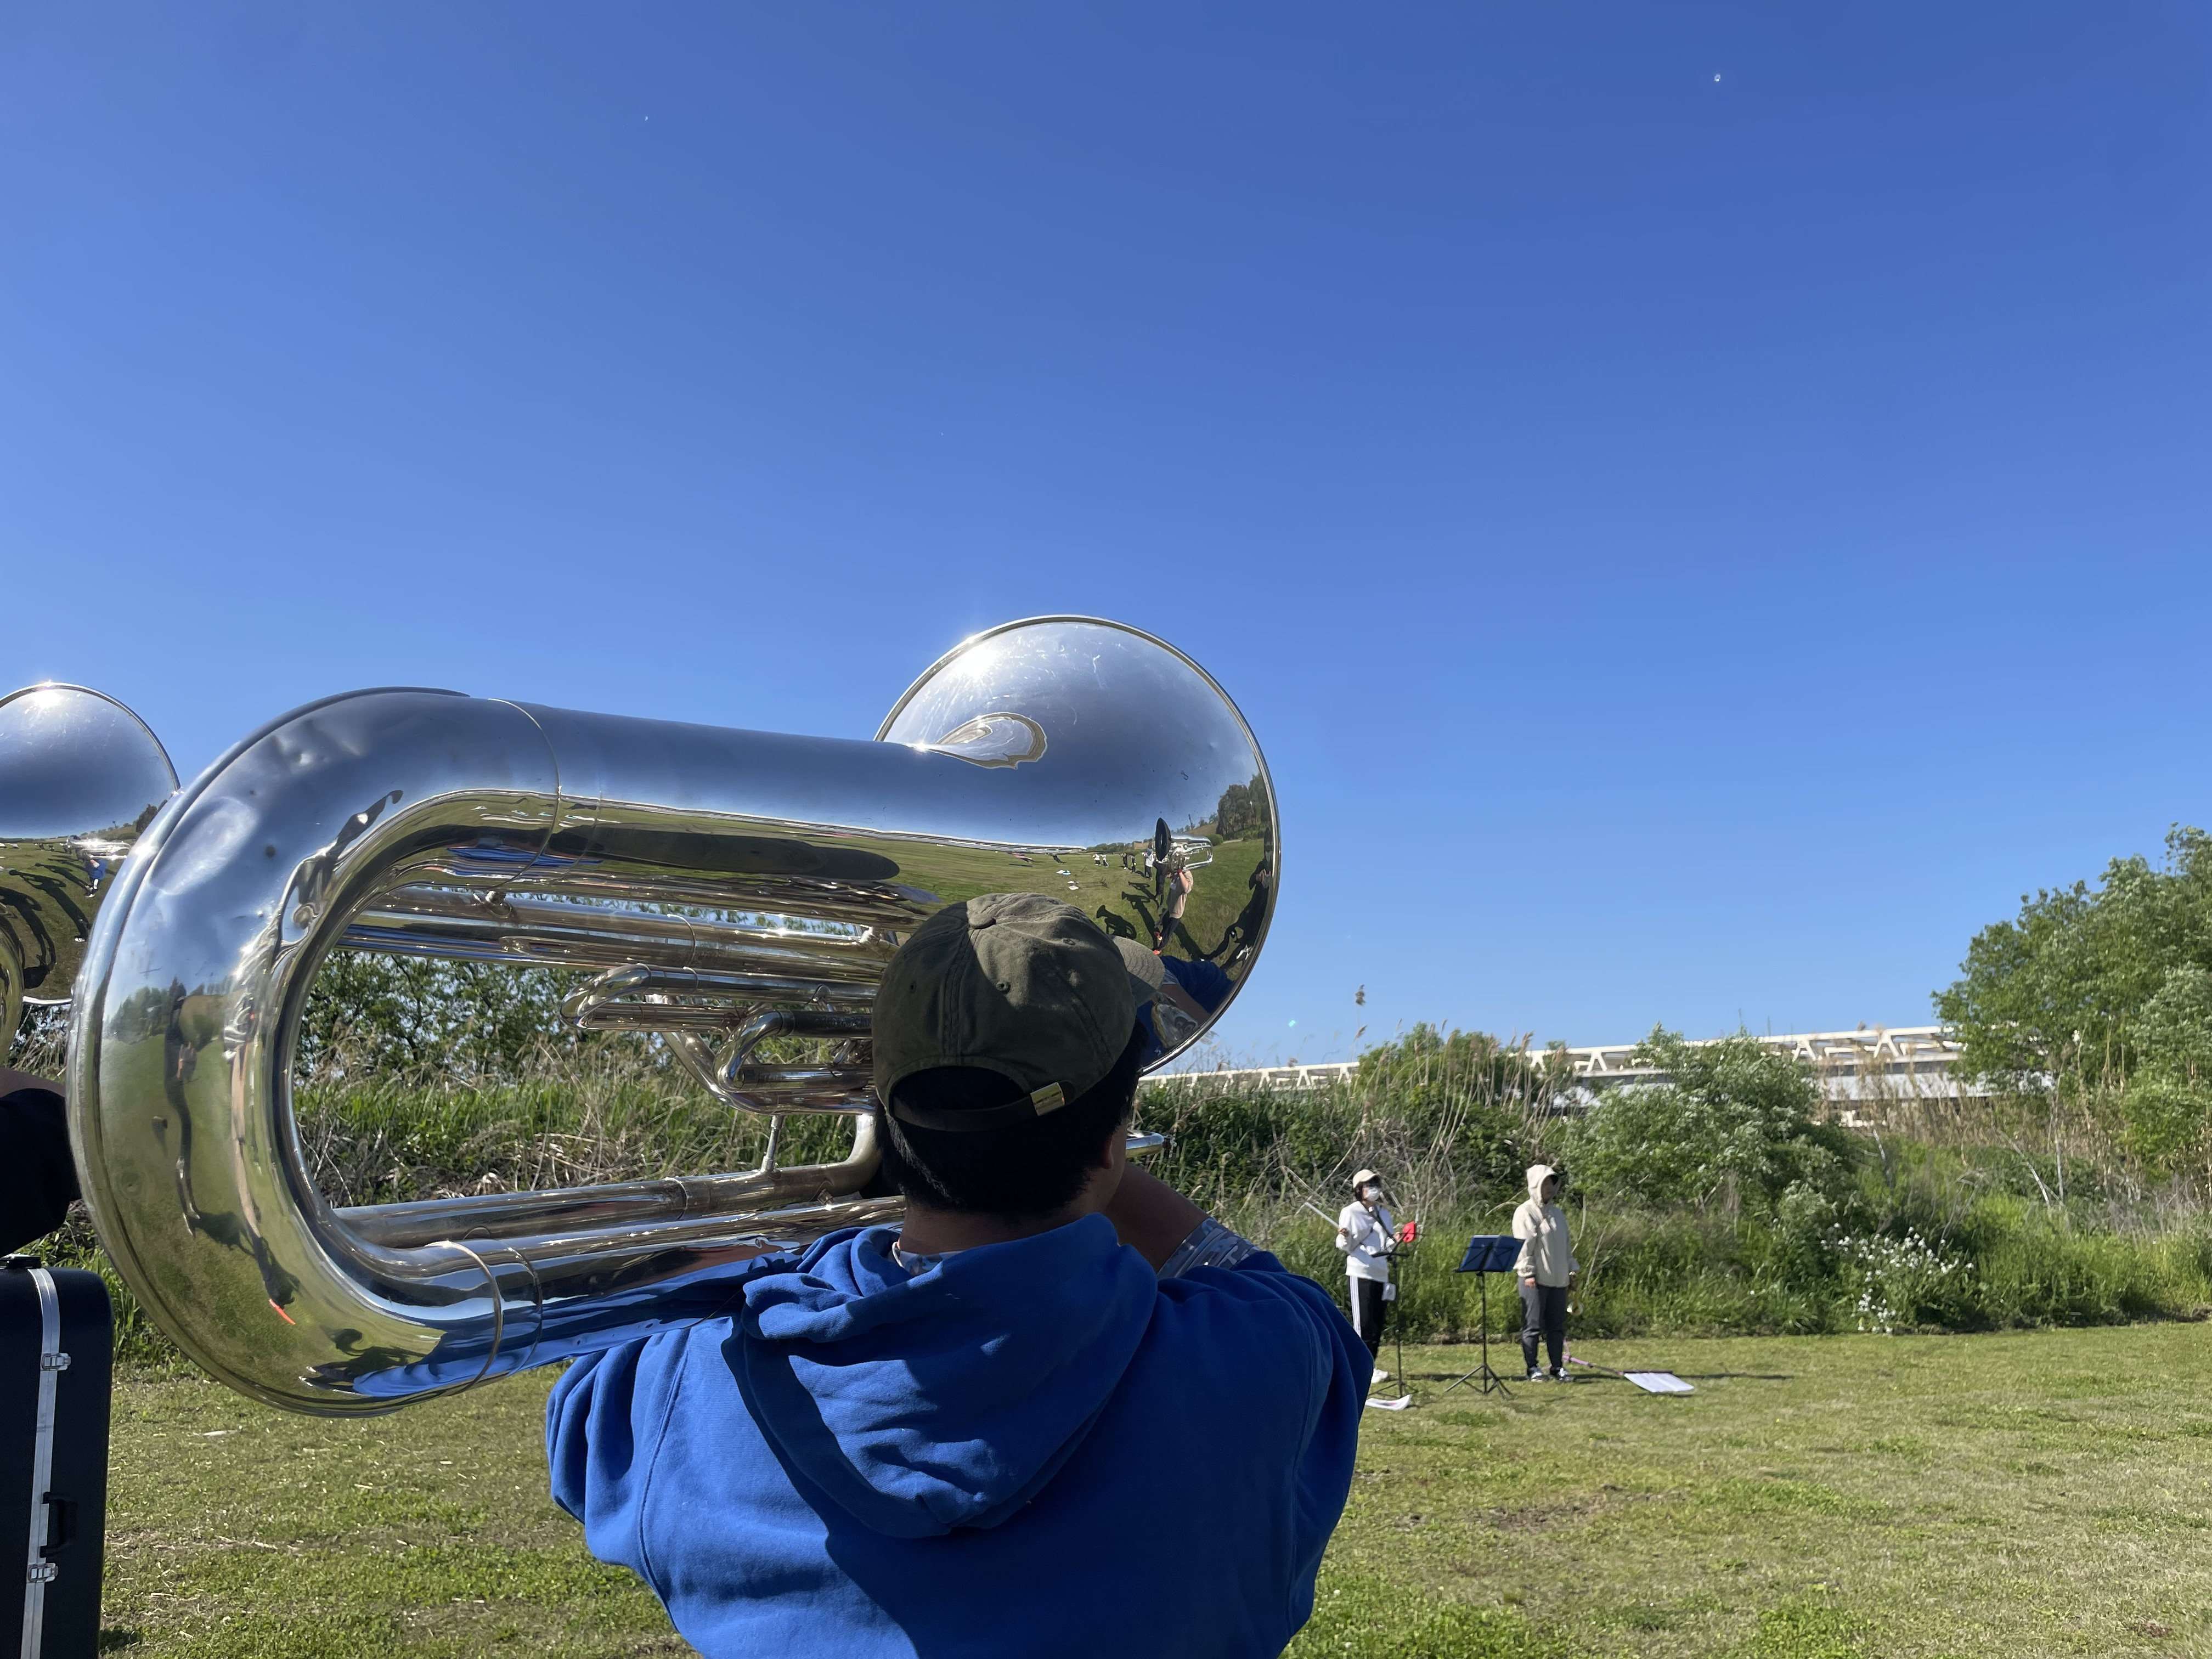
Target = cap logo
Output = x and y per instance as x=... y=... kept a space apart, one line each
x=1030 y=1106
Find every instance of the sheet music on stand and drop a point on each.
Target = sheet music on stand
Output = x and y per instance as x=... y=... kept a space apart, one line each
x=1490 y=1252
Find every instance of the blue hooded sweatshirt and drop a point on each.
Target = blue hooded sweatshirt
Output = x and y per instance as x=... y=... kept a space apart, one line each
x=1035 y=1447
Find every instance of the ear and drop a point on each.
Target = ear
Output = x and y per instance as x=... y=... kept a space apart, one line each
x=1116 y=1138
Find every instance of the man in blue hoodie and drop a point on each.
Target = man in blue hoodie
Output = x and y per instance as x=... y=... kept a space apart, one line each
x=1058 y=1411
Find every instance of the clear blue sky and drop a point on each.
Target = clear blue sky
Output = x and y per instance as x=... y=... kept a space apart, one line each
x=1702 y=505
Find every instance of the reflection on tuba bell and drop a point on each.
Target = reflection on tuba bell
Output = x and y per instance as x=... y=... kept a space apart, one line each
x=728 y=886
x=80 y=777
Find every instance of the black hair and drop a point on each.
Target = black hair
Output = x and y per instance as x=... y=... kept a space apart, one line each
x=1023 y=1169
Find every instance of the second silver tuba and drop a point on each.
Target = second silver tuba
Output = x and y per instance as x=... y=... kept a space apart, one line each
x=724 y=887
x=81 y=776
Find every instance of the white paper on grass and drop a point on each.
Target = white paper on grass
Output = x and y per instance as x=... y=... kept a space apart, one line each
x=1397 y=1405
x=1658 y=1381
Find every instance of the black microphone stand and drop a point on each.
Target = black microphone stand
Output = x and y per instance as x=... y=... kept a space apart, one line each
x=1398 y=1323
x=1400 y=1246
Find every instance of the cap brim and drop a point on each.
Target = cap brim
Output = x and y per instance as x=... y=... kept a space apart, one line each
x=1146 y=973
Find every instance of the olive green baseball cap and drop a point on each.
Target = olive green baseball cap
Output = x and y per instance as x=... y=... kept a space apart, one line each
x=1015 y=983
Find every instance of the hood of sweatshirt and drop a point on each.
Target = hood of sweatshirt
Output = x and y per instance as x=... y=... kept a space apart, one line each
x=920 y=1402
x=1538 y=1174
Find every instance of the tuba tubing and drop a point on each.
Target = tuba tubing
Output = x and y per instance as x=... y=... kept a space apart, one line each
x=728 y=886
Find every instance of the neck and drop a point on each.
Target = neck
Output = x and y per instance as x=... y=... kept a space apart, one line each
x=927 y=1232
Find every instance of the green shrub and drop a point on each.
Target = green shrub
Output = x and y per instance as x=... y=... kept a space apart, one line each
x=1908 y=1283
x=1734 y=1122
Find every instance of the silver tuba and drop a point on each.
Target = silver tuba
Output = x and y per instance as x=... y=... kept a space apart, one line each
x=726 y=886
x=81 y=776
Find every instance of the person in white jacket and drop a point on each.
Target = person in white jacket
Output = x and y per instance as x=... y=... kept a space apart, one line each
x=1367 y=1234
x=1546 y=1267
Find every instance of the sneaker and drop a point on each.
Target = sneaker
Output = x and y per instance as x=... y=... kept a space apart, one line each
x=1561 y=1377
x=1535 y=1376
x=1381 y=1376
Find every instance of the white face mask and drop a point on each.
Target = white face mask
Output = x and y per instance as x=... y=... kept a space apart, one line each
x=1371 y=1193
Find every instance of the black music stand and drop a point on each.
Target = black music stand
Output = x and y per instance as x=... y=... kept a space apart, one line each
x=1487 y=1253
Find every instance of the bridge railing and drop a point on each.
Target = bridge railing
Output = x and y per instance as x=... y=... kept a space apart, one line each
x=1867 y=1067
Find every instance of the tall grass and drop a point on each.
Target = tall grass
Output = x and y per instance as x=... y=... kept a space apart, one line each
x=581 y=1116
x=595 y=1119
x=1952 y=1236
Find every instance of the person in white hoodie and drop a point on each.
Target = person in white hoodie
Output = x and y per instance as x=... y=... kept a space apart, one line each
x=1367 y=1235
x=1546 y=1267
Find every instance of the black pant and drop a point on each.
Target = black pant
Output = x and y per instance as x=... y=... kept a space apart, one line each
x=37 y=1178
x=1543 y=1313
x=1367 y=1313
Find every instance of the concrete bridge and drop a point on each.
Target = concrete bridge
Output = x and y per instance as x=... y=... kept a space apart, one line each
x=1860 y=1073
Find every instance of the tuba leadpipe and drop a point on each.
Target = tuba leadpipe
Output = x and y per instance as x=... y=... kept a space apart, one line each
x=725 y=887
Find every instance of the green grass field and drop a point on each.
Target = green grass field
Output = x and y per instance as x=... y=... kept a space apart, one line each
x=1820 y=1497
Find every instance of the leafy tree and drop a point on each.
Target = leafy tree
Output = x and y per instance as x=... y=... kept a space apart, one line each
x=1243 y=812
x=1734 y=1122
x=2166 y=1109
x=2056 y=999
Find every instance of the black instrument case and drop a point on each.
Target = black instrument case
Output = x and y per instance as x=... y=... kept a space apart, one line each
x=56 y=1349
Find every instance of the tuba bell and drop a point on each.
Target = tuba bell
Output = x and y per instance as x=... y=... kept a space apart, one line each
x=81 y=776
x=723 y=887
